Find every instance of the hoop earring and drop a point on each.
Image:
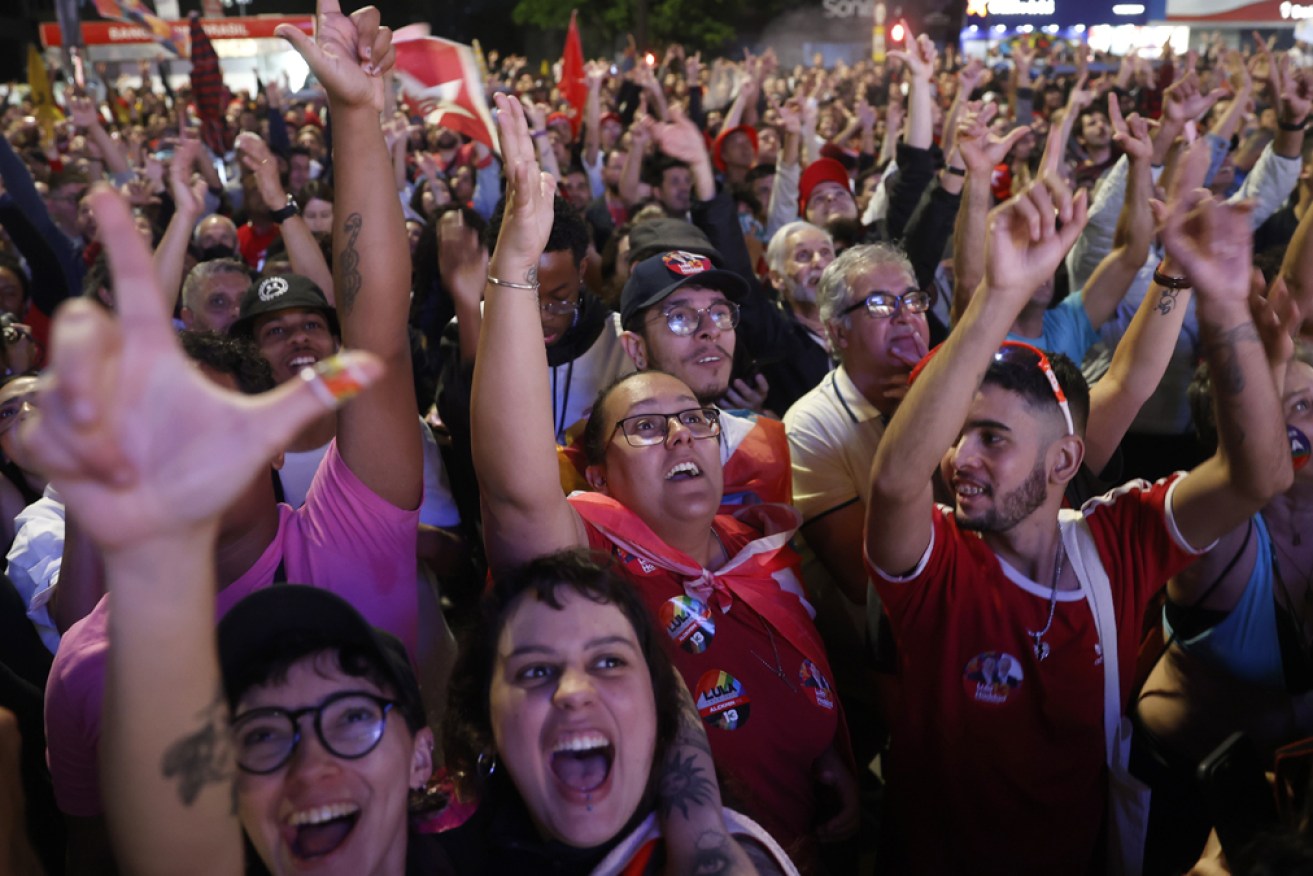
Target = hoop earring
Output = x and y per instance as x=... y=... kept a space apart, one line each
x=486 y=765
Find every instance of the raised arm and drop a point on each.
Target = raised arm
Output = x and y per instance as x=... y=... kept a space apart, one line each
x=1143 y=353
x=1023 y=242
x=377 y=436
x=920 y=62
x=148 y=453
x=86 y=118
x=1107 y=286
x=1214 y=243
x=303 y=251
x=981 y=152
x=525 y=514
x=188 y=207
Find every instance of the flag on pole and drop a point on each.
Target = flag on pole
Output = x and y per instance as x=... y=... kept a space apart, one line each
x=440 y=81
x=137 y=12
x=43 y=99
x=573 y=84
x=208 y=90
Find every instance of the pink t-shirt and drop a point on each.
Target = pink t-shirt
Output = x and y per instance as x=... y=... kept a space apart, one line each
x=344 y=538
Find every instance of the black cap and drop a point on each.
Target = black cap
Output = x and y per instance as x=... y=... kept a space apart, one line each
x=654 y=236
x=284 y=292
x=653 y=280
x=295 y=620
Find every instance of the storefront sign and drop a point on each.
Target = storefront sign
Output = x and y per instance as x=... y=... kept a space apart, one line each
x=113 y=33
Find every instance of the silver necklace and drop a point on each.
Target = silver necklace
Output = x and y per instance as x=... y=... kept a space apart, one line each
x=1040 y=646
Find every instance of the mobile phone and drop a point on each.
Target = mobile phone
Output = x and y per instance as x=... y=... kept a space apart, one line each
x=1236 y=793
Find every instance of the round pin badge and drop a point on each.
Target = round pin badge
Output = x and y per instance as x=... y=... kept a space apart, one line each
x=816 y=684
x=689 y=623
x=1299 y=447
x=992 y=677
x=721 y=700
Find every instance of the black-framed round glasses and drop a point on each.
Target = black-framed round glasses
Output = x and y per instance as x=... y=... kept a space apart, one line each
x=685 y=320
x=882 y=305
x=349 y=725
x=645 y=430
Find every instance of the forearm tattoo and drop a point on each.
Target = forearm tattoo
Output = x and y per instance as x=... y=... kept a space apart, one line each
x=683 y=782
x=204 y=757
x=531 y=276
x=1167 y=300
x=1224 y=360
x=349 y=264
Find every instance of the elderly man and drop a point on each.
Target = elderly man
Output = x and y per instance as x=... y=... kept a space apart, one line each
x=212 y=295
x=874 y=316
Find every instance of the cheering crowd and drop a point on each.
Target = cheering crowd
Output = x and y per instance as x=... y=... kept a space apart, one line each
x=892 y=465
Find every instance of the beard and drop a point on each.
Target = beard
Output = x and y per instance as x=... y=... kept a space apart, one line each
x=1011 y=508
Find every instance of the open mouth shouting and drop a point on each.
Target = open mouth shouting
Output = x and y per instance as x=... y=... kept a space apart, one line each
x=683 y=471
x=317 y=832
x=581 y=763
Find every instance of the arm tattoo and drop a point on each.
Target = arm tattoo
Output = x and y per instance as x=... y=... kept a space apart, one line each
x=683 y=784
x=711 y=855
x=531 y=276
x=1167 y=300
x=349 y=263
x=1220 y=350
x=204 y=757
x=690 y=732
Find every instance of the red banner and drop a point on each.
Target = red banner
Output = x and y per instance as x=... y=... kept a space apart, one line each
x=113 y=33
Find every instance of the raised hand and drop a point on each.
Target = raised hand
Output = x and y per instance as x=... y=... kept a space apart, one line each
x=529 y=196
x=981 y=149
x=919 y=56
x=83 y=112
x=188 y=191
x=1024 y=243
x=1183 y=101
x=349 y=55
x=1213 y=241
x=256 y=157
x=1132 y=134
x=680 y=138
x=1277 y=318
x=139 y=442
x=461 y=258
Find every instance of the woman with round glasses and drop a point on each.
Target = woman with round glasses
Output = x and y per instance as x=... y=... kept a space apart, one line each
x=725 y=592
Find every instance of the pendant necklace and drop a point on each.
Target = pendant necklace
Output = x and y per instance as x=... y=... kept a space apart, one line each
x=1040 y=646
x=778 y=668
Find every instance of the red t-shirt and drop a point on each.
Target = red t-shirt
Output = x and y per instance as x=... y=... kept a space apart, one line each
x=997 y=761
x=766 y=727
x=253 y=245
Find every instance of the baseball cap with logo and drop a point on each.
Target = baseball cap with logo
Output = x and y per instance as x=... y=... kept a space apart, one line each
x=654 y=279
x=284 y=292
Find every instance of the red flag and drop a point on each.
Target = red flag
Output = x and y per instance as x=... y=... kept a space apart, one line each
x=440 y=81
x=137 y=12
x=574 y=83
x=208 y=90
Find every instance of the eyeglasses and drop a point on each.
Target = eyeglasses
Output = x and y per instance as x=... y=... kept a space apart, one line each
x=349 y=725
x=684 y=320
x=11 y=410
x=645 y=430
x=556 y=307
x=1018 y=353
x=882 y=305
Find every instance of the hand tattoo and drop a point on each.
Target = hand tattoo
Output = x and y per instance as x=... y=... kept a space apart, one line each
x=204 y=757
x=349 y=264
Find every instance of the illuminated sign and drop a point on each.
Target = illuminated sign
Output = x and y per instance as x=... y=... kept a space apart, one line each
x=985 y=8
x=848 y=8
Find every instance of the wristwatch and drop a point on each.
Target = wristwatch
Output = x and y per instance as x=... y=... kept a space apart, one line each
x=287 y=211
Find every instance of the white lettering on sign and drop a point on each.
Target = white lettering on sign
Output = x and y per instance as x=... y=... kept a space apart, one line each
x=1021 y=7
x=1295 y=10
x=848 y=8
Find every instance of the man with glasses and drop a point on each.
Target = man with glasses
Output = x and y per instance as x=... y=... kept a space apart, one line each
x=1008 y=573
x=680 y=314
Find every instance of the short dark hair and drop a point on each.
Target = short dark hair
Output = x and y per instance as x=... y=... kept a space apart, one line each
x=569 y=230
x=315 y=189
x=14 y=266
x=597 y=429
x=467 y=728
x=1030 y=383
x=237 y=357
x=655 y=167
x=354 y=660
